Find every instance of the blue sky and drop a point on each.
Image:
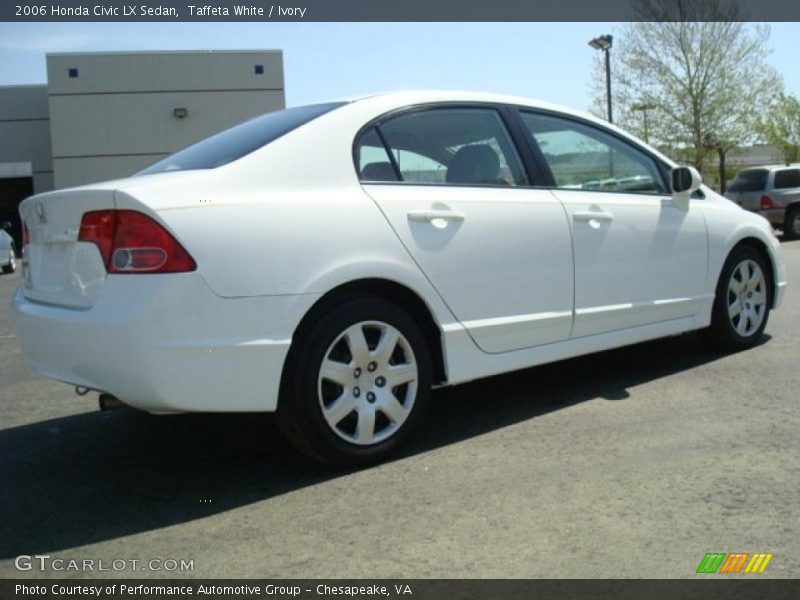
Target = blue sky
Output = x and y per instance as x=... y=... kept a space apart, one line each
x=548 y=61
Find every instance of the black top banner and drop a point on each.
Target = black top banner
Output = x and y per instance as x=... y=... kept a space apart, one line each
x=399 y=10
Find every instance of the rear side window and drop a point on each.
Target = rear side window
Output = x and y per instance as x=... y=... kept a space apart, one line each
x=750 y=180
x=238 y=141
x=374 y=163
x=449 y=146
x=787 y=178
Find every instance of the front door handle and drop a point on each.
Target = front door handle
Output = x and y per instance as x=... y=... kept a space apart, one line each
x=426 y=216
x=590 y=215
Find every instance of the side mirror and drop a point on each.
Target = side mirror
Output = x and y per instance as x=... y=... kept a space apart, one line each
x=6 y=225
x=684 y=180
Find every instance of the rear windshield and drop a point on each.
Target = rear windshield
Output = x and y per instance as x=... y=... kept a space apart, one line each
x=752 y=180
x=238 y=141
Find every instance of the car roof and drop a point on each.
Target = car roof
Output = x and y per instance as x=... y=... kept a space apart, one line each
x=403 y=97
x=771 y=167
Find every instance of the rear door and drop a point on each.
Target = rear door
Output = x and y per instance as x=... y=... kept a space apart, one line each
x=453 y=188
x=639 y=258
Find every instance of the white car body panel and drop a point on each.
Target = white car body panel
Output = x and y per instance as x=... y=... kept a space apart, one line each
x=57 y=270
x=727 y=227
x=166 y=344
x=533 y=299
x=516 y=284
x=645 y=264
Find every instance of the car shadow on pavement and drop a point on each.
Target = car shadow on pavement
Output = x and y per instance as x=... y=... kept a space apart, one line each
x=99 y=476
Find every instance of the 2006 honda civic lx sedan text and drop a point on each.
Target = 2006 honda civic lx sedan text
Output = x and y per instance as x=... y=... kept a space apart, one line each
x=334 y=262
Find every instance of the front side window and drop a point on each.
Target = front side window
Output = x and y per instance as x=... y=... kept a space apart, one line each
x=787 y=178
x=238 y=141
x=584 y=158
x=450 y=146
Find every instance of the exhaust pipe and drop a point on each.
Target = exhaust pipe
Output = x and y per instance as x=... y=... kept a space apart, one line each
x=106 y=401
x=109 y=402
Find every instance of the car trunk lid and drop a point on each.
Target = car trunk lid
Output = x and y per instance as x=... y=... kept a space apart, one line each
x=57 y=268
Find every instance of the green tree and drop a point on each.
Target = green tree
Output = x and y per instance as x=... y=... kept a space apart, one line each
x=702 y=74
x=780 y=126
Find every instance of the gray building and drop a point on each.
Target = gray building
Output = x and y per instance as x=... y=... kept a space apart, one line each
x=107 y=115
x=753 y=156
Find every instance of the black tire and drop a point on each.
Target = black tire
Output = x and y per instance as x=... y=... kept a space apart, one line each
x=11 y=266
x=791 y=223
x=303 y=389
x=722 y=333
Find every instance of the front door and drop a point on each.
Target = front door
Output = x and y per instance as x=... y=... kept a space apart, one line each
x=639 y=258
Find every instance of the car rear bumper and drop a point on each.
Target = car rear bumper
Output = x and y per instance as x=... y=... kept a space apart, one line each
x=166 y=343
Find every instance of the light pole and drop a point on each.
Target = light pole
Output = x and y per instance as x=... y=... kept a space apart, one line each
x=603 y=43
x=644 y=107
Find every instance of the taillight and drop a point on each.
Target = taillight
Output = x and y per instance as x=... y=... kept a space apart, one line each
x=98 y=227
x=132 y=242
x=26 y=235
x=766 y=202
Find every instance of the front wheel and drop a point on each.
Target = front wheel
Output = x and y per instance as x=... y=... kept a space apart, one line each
x=742 y=303
x=356 y=383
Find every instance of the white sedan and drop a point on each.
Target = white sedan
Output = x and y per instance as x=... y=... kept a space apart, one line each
x=334 y=262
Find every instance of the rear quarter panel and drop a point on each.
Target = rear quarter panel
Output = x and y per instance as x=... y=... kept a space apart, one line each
x=250 y=243
x=290 y=218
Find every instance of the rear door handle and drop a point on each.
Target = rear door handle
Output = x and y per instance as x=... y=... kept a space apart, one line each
x=426 y=216
x=589 y=215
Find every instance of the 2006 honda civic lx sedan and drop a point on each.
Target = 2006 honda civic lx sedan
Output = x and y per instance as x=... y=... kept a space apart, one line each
x=334 y=262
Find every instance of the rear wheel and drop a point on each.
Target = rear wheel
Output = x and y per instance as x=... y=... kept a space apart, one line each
x=743 y=298
x=791 y=223
x=12 y=262
x=356 y=383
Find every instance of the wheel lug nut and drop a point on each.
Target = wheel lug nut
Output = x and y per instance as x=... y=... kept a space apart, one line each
x=380 y=381
x=372 y=366
x=370 y=397
x=356 y=392
x=357 y=372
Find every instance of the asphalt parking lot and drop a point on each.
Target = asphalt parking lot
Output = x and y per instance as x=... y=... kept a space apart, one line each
x=631 y=463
